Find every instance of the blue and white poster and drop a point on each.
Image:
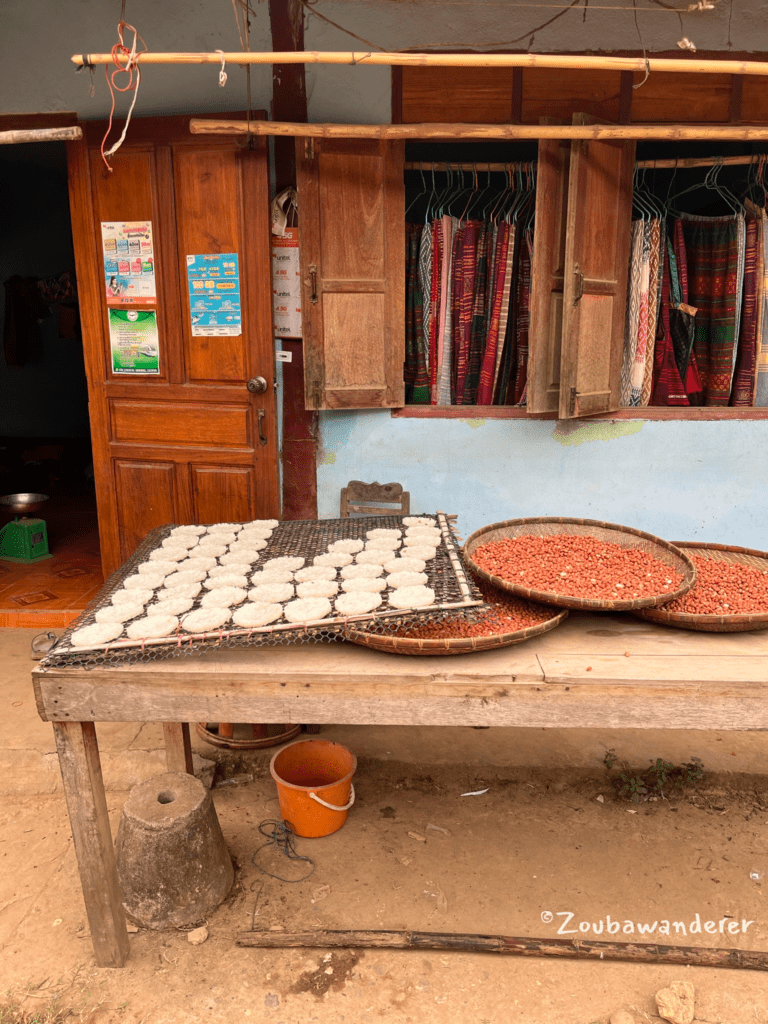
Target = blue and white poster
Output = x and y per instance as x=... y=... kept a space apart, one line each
x=214 y=295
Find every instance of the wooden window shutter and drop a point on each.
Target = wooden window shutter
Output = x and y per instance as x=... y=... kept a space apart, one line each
x=547 y=270
x=352 y=222
x=596 y=269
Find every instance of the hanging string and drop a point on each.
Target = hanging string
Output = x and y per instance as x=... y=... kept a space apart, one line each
x=126 y=62
x=222 y=73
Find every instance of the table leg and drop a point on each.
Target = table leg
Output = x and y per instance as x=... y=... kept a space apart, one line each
x=87 y=806
x=178 y=748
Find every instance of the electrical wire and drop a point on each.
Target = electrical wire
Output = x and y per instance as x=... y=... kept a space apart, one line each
x=130 y=66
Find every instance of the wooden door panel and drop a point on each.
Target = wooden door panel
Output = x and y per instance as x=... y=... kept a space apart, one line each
x=207 y=210
x=222 y=493
x=547 y=270
x=352 y=269
x=191 y=424
x=596 y=268
x=146 y=498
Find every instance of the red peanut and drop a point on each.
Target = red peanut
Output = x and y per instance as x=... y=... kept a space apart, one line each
x=507 y=614
x=723 y=588
x=577 y=566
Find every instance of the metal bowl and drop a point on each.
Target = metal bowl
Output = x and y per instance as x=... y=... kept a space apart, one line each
x=26 y=502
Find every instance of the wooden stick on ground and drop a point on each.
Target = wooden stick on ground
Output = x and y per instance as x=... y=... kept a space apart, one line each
x=633 y=952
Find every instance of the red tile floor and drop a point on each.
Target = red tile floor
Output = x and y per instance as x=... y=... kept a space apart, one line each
x=53 y=592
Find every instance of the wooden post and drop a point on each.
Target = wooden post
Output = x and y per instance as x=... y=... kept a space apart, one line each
x=178 y=748
x=40 y=135
x=87 y=806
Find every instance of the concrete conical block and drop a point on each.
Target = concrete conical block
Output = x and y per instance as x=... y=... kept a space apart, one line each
x=173 y=863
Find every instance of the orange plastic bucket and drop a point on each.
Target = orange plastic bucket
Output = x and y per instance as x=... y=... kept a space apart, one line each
x=314 y=786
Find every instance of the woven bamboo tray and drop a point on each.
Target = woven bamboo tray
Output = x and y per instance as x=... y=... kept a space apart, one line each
x=453 y=645
x=715 y=623
x=611 y=533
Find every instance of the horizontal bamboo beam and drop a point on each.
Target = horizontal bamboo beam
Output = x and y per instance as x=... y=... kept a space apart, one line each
x=705 y=161
x=507 y=945
x=40 y=135
x=483 y=167
x=576 y=62
x=743 y=133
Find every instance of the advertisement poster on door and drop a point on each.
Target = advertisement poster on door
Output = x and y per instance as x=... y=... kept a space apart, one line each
x=286 y=284
x=214 y=295
x=133 y=341
x=129 y=262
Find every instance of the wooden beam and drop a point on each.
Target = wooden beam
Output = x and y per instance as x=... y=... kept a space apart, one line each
x=582 y=949
x=12 y=138
x=690 y=65
x=700 y=133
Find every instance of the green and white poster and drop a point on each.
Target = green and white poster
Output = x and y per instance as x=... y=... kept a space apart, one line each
x=133 y=340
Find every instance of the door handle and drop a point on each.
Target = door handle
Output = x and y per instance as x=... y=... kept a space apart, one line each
x=579 y=285
x=313 y=282
x=257 y=385
x=262 y=438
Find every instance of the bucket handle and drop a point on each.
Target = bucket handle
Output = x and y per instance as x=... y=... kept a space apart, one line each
x=333 y=807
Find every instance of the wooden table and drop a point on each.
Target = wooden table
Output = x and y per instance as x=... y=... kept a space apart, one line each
x=576 y=676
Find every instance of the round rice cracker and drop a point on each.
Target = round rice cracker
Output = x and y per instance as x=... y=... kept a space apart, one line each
x=145 y=581
x=224 y=527
x=207 y=554
x=121 y=613
x=271 y=593
x=184 y=540
x=372 y=556
x=212 y=539
x=267 y=524
x=382 y=532
x=350 y=545
x=316 y=572
x=307 y=609
x=96 y=635
x=421 y=551
x=224 y=570
x=205 y=620
x=432 y=537
x=412 y=597
x=405 y=565
x=292 y=562
x=357 y=602
x=406 y=579
x=152 y=627
x=180 y=579
x=193 y=531
x=230 y=580
x=229 y=596
x=335 y=559
x=245 y=557
x=371 y=571
x=419 y=521
x=158 y=566
x=254 y=533
x=252 y=615
x=184 y=590
x=385 y=545
x=277 y=575
x=215 y=548
x=177 y=554
x=171 y=603
x=421 y=542
x=364 y=585
x=121 y=596
x=197 y=563
x=317 y=588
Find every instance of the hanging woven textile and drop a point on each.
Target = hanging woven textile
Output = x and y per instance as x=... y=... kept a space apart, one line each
x=761 y=381
x=488 y=367
x=415 y=371
x=743 y=387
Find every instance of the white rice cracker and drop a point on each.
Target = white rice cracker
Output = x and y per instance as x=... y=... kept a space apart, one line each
x=225 y=527
x=382 y=544
x=381 y=532
x=372 y=556
x=254 y=538
x=271 y=593
x=230 y=580
x=146 y=581
x=405 y=564
x=424 y=552
x=245 y=557
x=363 y=585
x=152 y=626
x=333 y=558
x=257 y=614
x=350 y=545
x=418 y=521
x=229 y=596
x=176 y=554
x=195 y=564
x=184 y=590
x=120 y=613
x=172 y=604
x=307 y=609
x=180 y=579
x=317 y=588
x=422 y=541
x=131 y=596
x=224 y=570
x=412 y=597
x=158 y=566
x=277 y=575
x=316 y=572
x=407 y=579
x=427 y=536
x=205 y=619
x=268 y=524
x=215 y=547
x=208 y=553
x=184 y=540
x=357 y=603
x=349 y=572
x=97 y=634
x=193 y=531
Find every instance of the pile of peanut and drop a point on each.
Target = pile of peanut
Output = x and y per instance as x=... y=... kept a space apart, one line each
x=723 y=588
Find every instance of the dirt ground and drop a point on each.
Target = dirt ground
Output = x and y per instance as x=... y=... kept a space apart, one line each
x=515 y=861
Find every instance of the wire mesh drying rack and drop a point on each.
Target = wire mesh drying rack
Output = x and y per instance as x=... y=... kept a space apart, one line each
x=455 y=593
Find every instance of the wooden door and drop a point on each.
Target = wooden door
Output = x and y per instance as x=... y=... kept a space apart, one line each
x=352 y=216
x=189 y=443
x=596 y=269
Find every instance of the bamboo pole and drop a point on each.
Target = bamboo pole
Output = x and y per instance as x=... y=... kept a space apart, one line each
x=690 y=65
x=40 y=135
x=743 y=133
x=580 y=949
x=706 y=161
x=482 y=167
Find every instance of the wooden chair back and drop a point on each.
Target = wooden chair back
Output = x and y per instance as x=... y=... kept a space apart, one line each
x=361 y=499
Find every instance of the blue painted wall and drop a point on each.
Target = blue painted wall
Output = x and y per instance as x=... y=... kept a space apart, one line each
x=705 y=480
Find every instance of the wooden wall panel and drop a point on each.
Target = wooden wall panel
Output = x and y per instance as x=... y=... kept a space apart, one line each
x=671 y=97
x=754 y=100
x=465 y=95
x=194 y=424
x=145 y=493
x=208 y=196
x=556 y=93
x=222 y=493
